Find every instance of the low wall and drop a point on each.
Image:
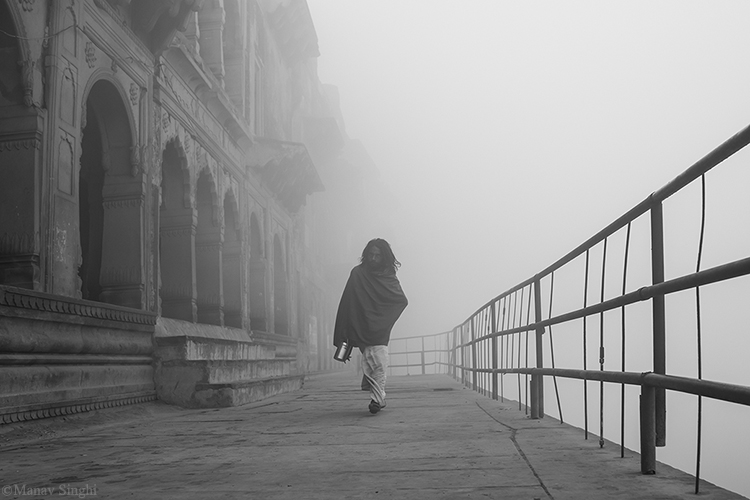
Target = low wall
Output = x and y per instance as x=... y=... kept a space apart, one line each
x=61 y=355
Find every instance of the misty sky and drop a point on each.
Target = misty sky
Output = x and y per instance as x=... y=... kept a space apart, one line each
x=511 y=131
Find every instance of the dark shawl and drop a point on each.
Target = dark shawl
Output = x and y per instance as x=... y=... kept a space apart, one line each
x=369 y=307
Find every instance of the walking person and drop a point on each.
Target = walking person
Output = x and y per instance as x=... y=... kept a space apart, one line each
x=370 y=305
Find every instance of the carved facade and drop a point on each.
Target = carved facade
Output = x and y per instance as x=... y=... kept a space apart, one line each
x=160 y=166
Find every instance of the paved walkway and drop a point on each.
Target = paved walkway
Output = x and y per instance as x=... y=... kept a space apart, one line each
x=435 y=440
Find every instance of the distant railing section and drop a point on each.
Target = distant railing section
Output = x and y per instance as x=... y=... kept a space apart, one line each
x=420 y=354
x=513 y=332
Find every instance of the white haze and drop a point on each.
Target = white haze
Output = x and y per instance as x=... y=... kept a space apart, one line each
x=511 y=131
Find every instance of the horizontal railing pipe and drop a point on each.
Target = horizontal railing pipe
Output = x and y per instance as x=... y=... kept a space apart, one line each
x=722 y=391
x=712 y=159
x=713 y=275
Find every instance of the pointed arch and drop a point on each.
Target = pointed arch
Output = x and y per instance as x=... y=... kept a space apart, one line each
x=175 y=159
x=211 y=195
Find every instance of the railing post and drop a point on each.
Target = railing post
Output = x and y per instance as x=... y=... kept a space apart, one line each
x=537 y=381
x=659 y=319
x=648 y=429
x=463 y=356
x=493 y=319
x=453 y=358
x=473 y=355
x=422 y=355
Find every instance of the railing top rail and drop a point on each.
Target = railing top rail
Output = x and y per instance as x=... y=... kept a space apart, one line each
x=421 y=336
x=729 y=147
x=723 y=272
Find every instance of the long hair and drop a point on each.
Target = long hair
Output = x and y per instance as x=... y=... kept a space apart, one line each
x=389 y=260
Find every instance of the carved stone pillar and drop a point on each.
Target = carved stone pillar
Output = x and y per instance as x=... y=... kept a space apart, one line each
x=19 y=222
x=193 y=33
x=258 y=269
x=208 y=250
x=177 y=264
x=211 y=25
x=231 y=258
x=122 y=268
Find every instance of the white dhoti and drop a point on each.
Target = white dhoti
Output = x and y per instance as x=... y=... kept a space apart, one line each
x=374 y=366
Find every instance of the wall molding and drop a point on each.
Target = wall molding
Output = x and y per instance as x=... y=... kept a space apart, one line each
x=38 y=301
x=20 y=144
x=70 y=407
x=17 y=243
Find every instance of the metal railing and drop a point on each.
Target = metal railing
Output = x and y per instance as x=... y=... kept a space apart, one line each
x=502 y=335
x=419 y=354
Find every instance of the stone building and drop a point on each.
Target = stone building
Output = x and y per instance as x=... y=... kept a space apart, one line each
x=172 y=179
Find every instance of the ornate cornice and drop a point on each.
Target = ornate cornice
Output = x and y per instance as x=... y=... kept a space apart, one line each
x=38 y=301
x=123 y=203
x=17 y=243
x=177 y=232
x=20 y=144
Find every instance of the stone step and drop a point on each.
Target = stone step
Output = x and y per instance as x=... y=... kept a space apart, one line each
x=205 y=366
x=209 y=395
x=178 y=381
x=203 y=349
x=222 y=372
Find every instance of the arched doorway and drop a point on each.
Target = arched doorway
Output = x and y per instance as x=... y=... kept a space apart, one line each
x=110 y=203
x=176 y=238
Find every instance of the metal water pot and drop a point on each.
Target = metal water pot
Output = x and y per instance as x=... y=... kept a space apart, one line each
x=343 y=352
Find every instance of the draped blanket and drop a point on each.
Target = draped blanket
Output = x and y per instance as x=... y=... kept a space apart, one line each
x=369 y=307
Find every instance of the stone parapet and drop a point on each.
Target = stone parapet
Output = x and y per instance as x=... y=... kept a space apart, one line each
x=60 y=355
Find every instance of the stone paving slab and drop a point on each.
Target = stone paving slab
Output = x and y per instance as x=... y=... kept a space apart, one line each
x=435 y=440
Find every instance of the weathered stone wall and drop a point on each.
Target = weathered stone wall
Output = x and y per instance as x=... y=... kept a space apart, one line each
x=159 y=159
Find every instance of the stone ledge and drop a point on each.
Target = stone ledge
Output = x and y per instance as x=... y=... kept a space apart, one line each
x=56 y=385
x=229 y=371
x=27 y=303
x=168 y=328
x=248 y=383
x=35 y=412
x=201 y=349
x=241 y=393
x=71 y=359
x=37 y=334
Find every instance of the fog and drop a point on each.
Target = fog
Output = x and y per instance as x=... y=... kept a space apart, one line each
x=509 y=132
